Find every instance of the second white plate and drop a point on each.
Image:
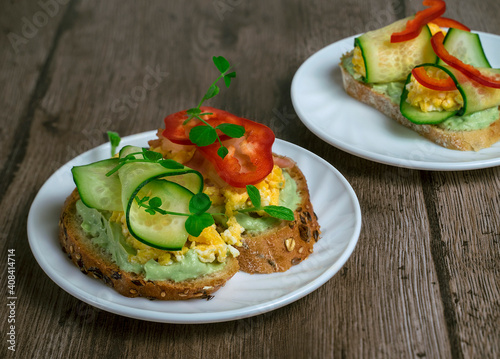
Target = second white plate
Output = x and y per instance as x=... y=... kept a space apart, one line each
x=329 y=112
x=244 y=295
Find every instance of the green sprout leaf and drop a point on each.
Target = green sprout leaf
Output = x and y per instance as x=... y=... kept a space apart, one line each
x=127 y=158
x=280 y=212
x=141 y=201
x=203 y=135
x=232 y=130
x=206 y=136
x=193 y=111
x=155 y=202
x=221 y=63
x=222 y=151
x=171 y=164
x=199 y=203
x=151 y=155
x=114 y=139
x=228 y=77
x=152 y=207
x=212 y=92
x=196 y=223
x=254 y=195
x=148 y=156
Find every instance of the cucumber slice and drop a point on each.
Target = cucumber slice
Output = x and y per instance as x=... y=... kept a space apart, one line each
x=95 y=189
x=127 y=150
x=160 y=231
x=132 y=175
x=149 y=179
x=466 y=46
x=388 y=62
x=118 y=191
x=476 y=97
x=419 y=117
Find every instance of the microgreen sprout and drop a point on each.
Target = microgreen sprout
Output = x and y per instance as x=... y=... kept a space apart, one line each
x=198 y=219
x=152 y=206
x=206 y=134
x=147 y=156
x=279 y=212
x=114 y=139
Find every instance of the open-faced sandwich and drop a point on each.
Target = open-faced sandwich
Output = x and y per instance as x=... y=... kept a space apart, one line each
x=180 y=218
x=442 y=87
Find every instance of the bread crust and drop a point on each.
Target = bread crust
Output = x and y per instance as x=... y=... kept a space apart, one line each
x=456 y=140
x=93 y=262
x=286 y=244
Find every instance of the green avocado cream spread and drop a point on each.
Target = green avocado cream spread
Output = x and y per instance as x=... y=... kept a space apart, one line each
x=288 y=198
x=108 y=235
x=474 y=121
x=393 y=90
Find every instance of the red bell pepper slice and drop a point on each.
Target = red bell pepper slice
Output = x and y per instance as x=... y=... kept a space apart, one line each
x=423 y=17
x=250 y=158
x=177 y=132
x=421 y=75
x=470 y=71
x=447 y=22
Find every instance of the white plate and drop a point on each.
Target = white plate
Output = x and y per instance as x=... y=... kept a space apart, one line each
x=328 y=111
x=244 y=295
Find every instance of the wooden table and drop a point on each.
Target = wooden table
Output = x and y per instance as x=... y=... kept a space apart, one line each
x=423 y=280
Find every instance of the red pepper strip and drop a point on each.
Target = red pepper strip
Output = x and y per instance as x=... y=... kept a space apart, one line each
x=447 y=22
x=414 y=26
x=250 y=158
x=424 y=79
x=470 y=71
x=177 y=132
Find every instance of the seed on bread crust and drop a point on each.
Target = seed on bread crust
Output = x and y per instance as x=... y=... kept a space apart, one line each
x=138 y=283
x=96 y=272
x=296 y=261
x=305 y=232
x=116 y=275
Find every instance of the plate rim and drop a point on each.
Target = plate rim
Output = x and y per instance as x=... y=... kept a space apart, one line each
x=193 y=317
x=370 y=155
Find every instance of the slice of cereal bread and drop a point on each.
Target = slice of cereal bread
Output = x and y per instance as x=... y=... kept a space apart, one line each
x=474 y=140
x=96 y=262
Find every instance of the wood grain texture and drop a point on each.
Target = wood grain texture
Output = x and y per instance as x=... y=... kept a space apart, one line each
x=423 y=280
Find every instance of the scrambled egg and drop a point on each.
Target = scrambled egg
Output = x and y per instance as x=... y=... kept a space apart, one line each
x=432 y=100
x=269 y=189
x=210 y=245
x=234 y=199
x=358 y=62
x=435 y=29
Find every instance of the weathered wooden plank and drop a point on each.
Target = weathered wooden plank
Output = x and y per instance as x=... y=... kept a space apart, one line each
x=410 y=289
x=31 y=31
x=468 y=216
x=466 y=236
